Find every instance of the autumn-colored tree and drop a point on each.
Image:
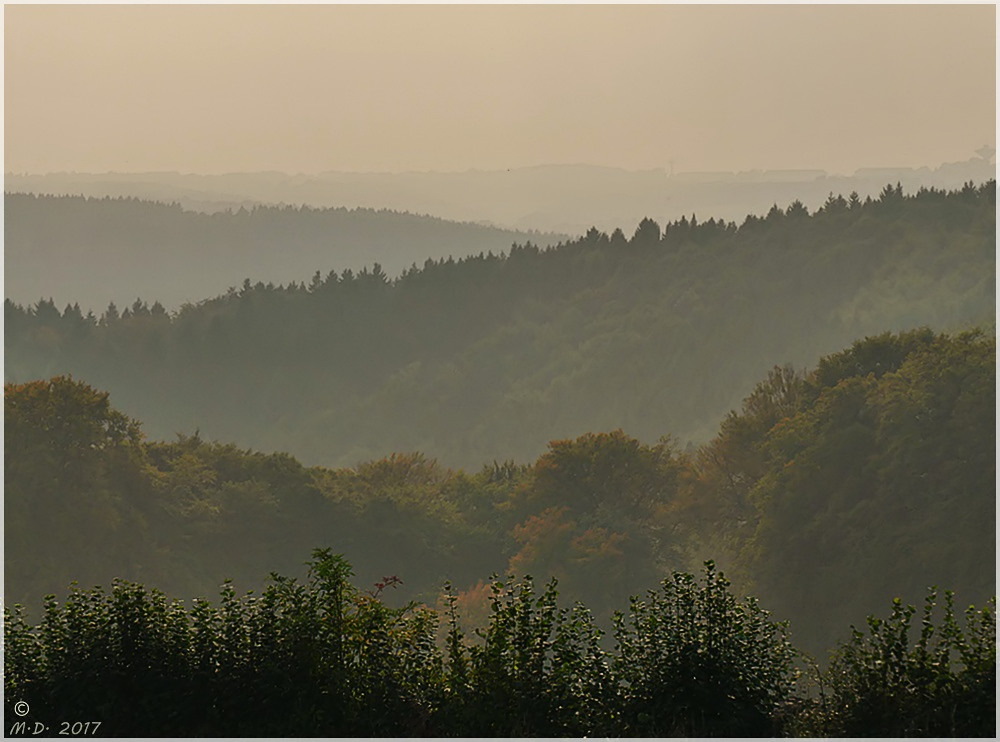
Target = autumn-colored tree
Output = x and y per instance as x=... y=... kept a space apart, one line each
x=593 y=513
x=69 y=460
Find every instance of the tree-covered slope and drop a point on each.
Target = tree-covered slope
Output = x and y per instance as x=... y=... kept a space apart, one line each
x=872 y=475
x=826 y=494
x=93 y=251
x=492 y=356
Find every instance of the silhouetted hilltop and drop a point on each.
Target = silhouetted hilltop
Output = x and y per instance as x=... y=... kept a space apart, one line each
x=492 y=356
x=93 y=251
x=556 y=198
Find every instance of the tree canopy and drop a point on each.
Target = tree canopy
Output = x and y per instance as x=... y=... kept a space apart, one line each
x=494 y=355
x=871 y=475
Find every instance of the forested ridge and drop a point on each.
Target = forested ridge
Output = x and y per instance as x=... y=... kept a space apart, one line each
x=607 y=412
x=93 y=251
x=824 y=494
x=491 y=356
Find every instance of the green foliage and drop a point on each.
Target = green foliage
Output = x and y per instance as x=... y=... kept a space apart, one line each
x=722 y=472
x=876 y=355
x=323 y=658
x=494 y=355
x=696 y=662
x=592 y=513
x=872 y=474
x=941 y=685
x=72 y=465
x=163 y=251
x=537 y=670
x=300 y=659
x=879 y=462
x=181 y=514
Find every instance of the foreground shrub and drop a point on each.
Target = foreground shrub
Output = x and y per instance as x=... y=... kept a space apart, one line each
x=299 y=660
x=537 y=669
x=941 y=685
x=695 y=662
x=322 y=658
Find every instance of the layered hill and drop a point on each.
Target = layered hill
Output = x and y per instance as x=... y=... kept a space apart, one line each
x=551 y=198
x=94 y=251
x=826 y=494
x=491 y=356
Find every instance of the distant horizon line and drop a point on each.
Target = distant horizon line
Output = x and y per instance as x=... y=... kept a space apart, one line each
x=820 y=172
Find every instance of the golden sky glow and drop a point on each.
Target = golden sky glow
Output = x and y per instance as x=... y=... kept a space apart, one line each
x=374 y=87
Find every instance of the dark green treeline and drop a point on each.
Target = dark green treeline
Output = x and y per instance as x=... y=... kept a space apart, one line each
x=825 y=494
x=322 y=658
x=494 y=355
x=97 y=250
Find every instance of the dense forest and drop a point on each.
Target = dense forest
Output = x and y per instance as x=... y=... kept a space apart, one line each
x=92 y=251
x=804 y=402
x=492 y=356
x=824 y=494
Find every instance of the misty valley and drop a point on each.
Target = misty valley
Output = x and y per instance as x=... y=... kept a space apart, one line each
x=700 y=478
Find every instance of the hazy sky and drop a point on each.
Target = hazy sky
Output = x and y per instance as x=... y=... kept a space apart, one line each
x=211 y=89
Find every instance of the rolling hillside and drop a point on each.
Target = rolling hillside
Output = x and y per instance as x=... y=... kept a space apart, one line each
x=491 y=356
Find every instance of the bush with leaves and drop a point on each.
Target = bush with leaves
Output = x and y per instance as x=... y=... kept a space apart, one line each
x=941 y=685
x=310 y=659
x=537 y=669
x=696 y=662
x=322 y=658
